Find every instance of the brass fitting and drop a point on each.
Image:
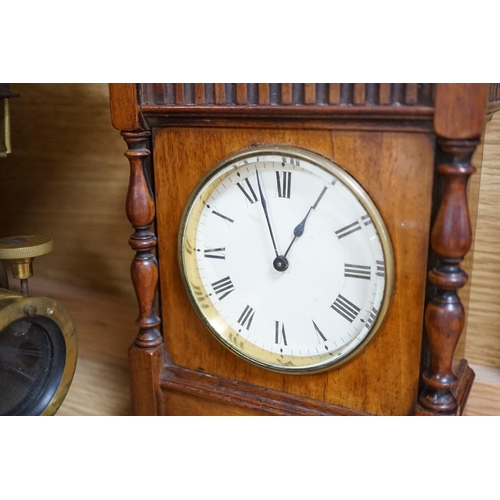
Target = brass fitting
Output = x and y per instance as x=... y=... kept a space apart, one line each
x=21 y=250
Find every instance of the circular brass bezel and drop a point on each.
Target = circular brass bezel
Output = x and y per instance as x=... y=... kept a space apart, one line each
x=15 y=307
x=207 y=311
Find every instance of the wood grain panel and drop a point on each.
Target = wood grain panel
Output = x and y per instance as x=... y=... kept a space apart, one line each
x=178 y=166
x=123 y=104
x=181 y=404
x=468 y=123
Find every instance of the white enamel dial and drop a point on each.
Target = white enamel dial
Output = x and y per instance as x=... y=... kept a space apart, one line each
x=286 y=259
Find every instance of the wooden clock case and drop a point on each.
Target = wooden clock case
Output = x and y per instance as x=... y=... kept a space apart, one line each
x=409 y=145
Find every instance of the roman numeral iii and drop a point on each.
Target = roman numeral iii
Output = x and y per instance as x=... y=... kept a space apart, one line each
x=356 y=271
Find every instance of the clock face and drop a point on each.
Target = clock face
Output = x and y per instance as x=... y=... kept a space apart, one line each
x=286 y=259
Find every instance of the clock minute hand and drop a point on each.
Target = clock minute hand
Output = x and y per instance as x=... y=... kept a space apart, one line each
x=264 y=206
x=299 y=228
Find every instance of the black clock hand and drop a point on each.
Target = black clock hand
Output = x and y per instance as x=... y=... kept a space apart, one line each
x=264 y=206
x=299 y=228
x=279 y=263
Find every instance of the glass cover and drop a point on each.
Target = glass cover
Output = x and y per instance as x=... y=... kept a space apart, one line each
x=32 y=359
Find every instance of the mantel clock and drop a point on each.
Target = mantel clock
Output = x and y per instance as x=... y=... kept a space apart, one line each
x=299 y=247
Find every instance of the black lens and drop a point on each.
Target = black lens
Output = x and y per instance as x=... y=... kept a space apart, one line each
x=32 y=360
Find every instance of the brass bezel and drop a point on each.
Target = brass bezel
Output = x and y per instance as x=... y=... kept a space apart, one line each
x=207 y=312
x=14 y=307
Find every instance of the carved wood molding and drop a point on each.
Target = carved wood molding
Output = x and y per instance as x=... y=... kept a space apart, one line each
x=349 y=106
x=245 y=395
x=285 y=94
x=377 y=118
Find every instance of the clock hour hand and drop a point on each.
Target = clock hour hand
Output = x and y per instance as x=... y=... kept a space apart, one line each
x=279 y=263
x=299 y=228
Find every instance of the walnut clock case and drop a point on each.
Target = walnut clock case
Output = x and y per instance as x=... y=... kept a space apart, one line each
x=299 y=247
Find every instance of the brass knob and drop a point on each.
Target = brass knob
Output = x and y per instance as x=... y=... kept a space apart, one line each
x=21 y=250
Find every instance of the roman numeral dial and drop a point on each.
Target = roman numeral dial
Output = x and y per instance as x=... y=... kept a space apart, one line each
x=285 y=259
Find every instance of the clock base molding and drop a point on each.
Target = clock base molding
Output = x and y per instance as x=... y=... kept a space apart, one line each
x=465 y=377
x=187 y=392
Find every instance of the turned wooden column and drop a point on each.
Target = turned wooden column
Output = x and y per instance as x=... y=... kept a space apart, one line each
x=146 y=351
x=459 y=124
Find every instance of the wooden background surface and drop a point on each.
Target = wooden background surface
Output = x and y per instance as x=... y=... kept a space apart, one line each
x=67 y=178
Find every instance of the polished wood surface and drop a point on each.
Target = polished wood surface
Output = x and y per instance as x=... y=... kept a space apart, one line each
x=187 y=340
